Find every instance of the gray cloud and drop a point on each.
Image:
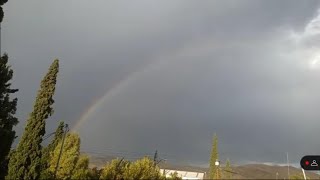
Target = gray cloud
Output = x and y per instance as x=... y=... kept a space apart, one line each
x=195 y=68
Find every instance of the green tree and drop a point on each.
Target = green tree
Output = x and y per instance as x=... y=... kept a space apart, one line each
x=69 y=157
x=174 y=176
x=115 y=169
x=2 y=2
x=228 y=170
x=58 y=134
x=72 y=165
x=95 y=173
x=214 y=171
x=7 y=111
x=142 y=169
x=81 y=170
x=25 y=163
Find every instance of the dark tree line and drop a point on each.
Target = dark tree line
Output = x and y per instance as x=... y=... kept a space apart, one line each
x=2 y=2
x=7 y=111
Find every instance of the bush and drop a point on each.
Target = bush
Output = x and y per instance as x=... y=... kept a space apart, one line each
x=114 y=169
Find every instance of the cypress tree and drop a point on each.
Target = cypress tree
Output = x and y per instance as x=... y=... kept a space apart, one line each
x=214 y=172
x=7 y=111
x=26 y=161
x=228 y=170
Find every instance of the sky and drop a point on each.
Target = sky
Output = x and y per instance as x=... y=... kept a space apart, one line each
x=141 y=76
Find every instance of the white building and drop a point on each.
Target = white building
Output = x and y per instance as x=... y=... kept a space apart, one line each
x=183 y=174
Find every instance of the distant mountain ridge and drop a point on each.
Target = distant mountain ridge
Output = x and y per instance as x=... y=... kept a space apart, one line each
x=249 y=171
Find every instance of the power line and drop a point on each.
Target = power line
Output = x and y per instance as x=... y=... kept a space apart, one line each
x=107 y=150
x=115 y=153
x=64 y=136
x=156 y=160
x=128 y=155
x=48 y=135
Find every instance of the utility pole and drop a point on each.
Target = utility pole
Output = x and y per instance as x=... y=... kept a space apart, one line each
x=155 y=158
x=217 y=163
x=288 y=165
x=64 y=136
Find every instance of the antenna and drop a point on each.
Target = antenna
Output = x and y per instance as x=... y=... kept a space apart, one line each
x=155 y=158
x=304 y=174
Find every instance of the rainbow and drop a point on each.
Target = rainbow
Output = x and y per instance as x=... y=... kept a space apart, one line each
x=114 y=90
x=159 y=62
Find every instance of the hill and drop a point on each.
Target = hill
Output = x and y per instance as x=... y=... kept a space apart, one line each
x=249 y=171
x=261 y=171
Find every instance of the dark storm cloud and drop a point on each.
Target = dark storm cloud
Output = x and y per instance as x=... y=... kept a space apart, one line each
x=178 y=108
x=220 y=70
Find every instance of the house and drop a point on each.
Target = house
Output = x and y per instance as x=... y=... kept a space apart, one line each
x=183 y=174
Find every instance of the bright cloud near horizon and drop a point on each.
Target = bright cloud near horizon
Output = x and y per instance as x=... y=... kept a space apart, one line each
x=167 y=75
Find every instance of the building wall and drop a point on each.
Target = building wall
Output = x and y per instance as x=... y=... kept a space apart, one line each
x=183 y=174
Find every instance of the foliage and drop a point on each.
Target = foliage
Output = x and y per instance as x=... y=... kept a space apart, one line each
x=81 y=170
x=58 y=135
x=7 y=111
x=72 y=165
x=214 y=171
x=142 y=169
x=228 y=170
x=25 y=163
x=45 y=173
x=297 y=176
x=69 y=156
x=174 y=176
x=114 y=169
x=1 y=10
x=94 y=173
x=121 y=169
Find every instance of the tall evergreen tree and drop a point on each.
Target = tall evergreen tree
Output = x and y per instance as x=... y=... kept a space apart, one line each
x=7 y=111
x=2 y=2
x=228 y=170
x=26 y=161
x=58 y=134
x=214 y=171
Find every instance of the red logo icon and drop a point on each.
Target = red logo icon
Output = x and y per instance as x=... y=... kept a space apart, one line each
x=306 y=163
